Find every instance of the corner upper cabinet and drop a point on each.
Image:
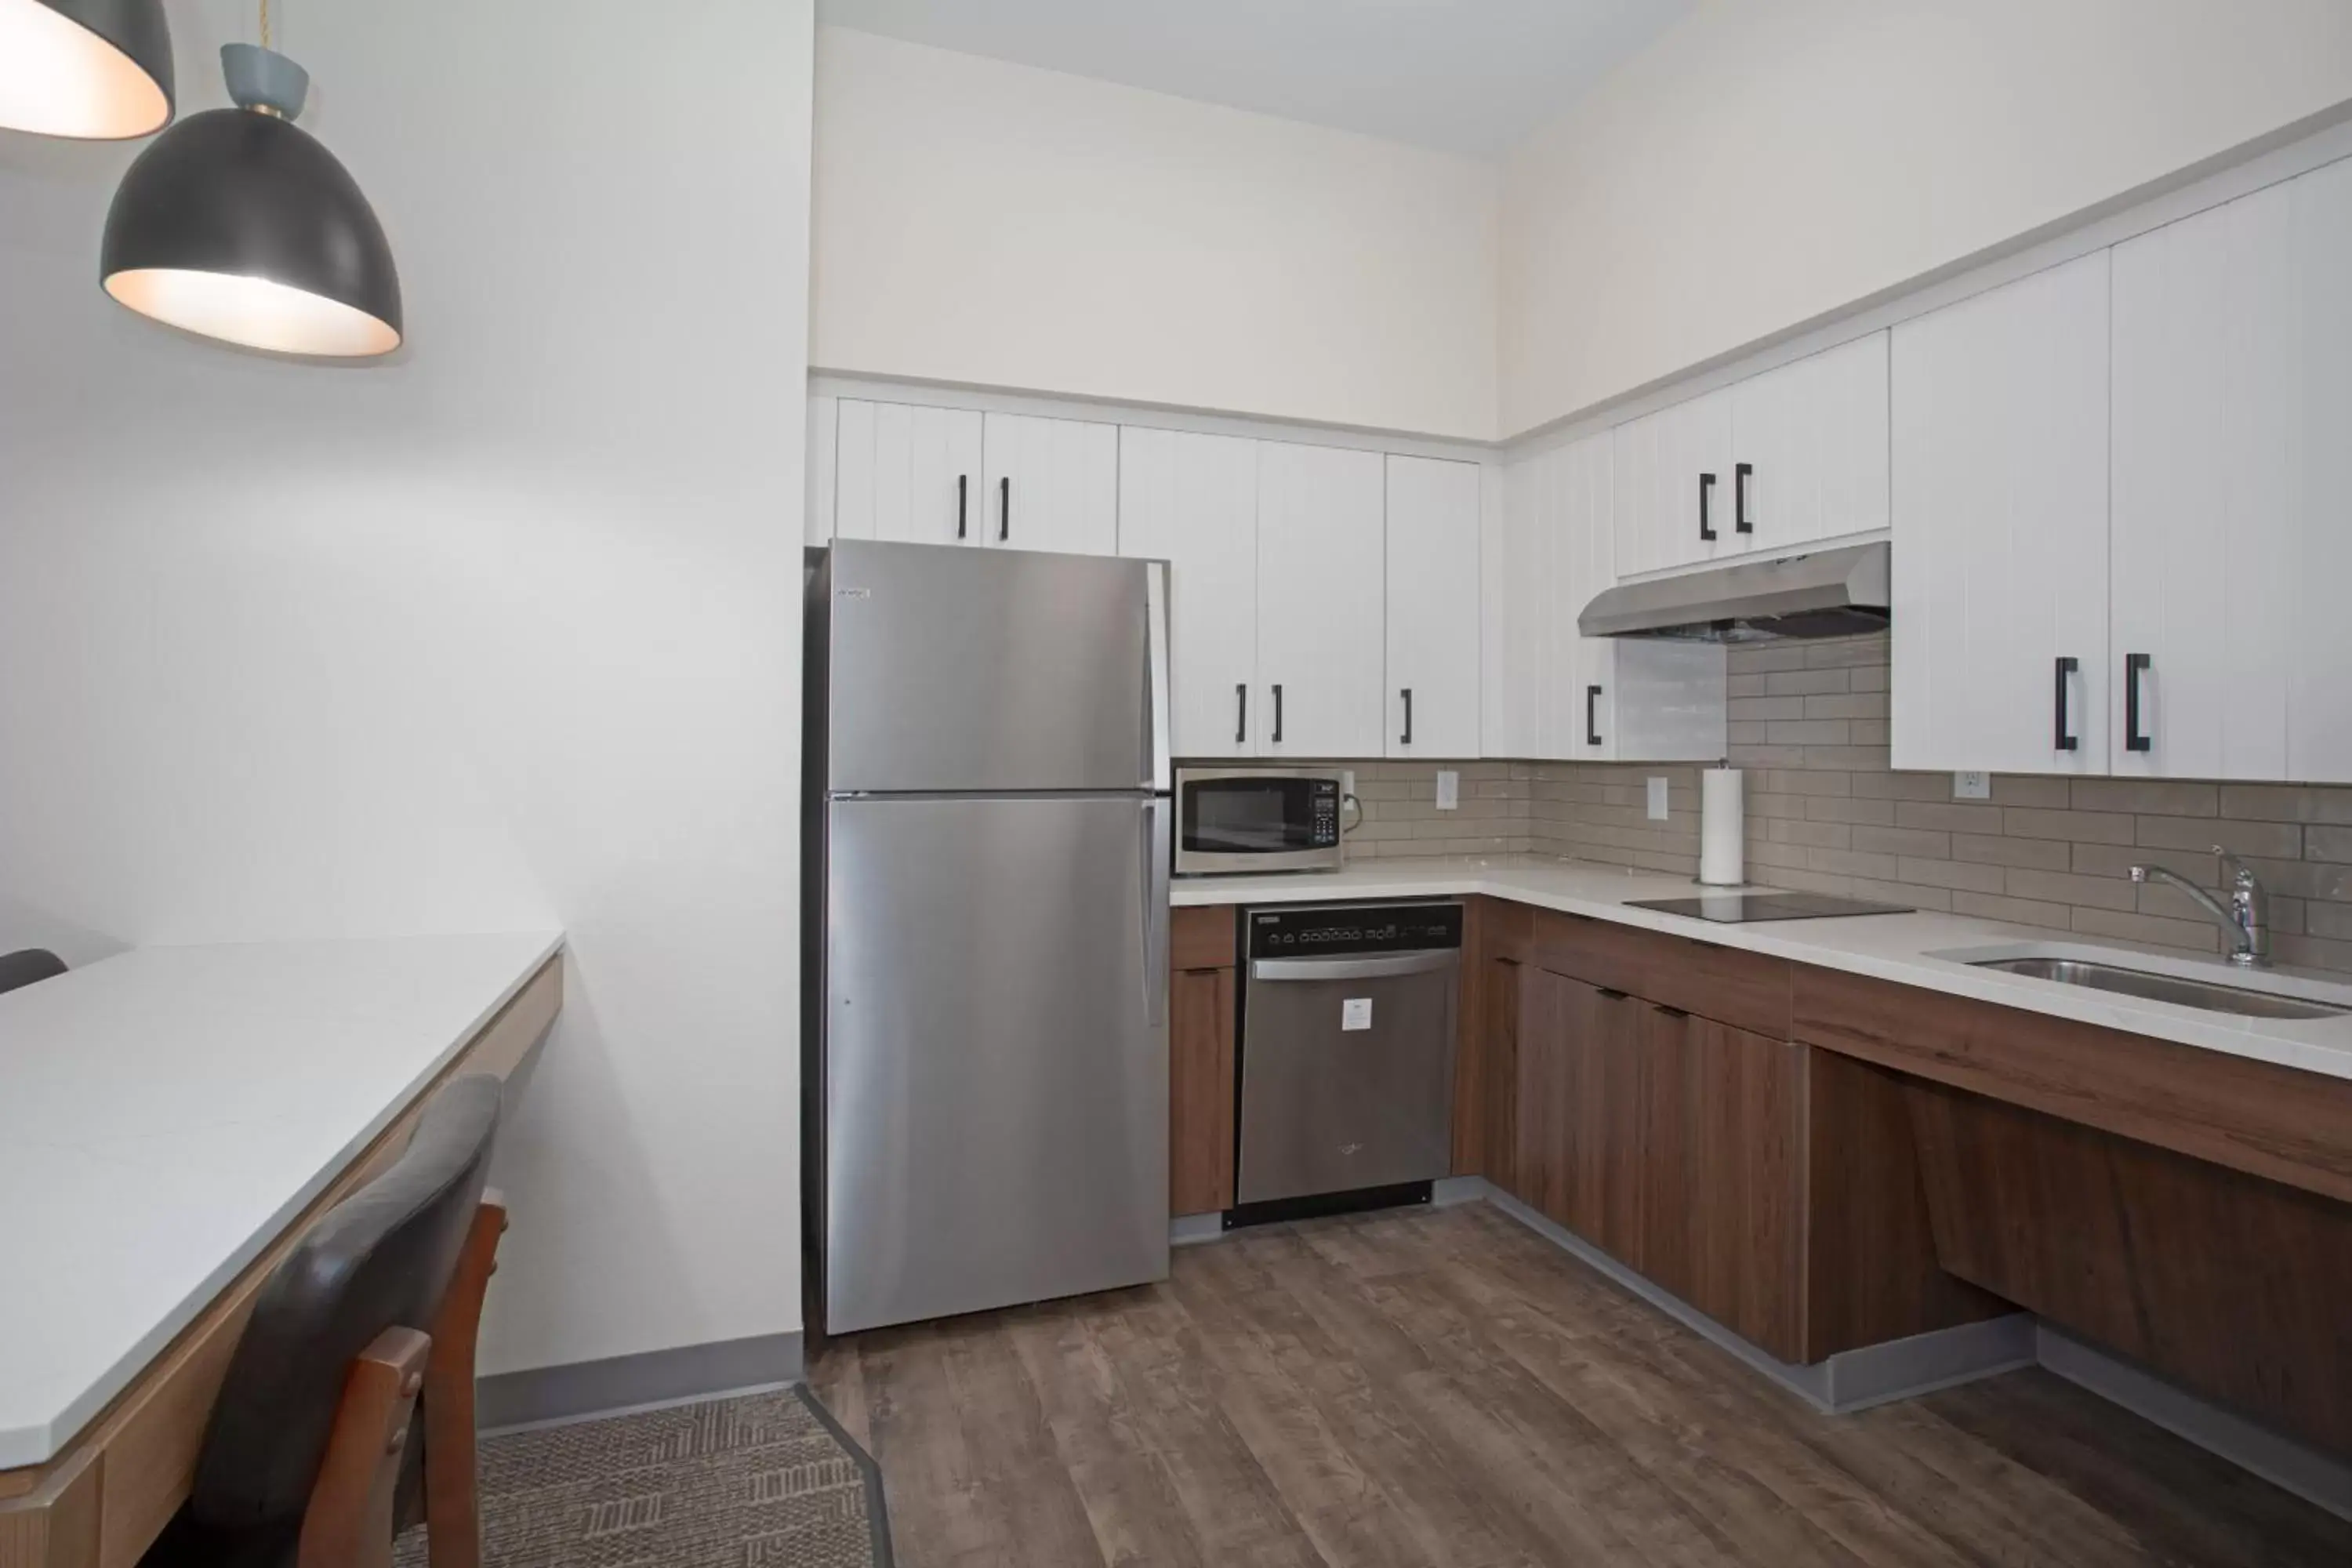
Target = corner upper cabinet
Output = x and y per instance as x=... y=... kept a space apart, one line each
x=1999 y=519
x=2232 y=394
x=1191 y=501
x=906 y=473
x=1432 y=527
x=1321 y=639
x=1049 y=484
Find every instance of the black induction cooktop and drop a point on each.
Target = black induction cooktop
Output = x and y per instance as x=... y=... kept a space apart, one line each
x=1732 y=908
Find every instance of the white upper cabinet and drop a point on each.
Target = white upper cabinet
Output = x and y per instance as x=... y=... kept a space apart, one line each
x=1051 y=484
x=906 y=473
x=1670 y=494
x=1576 y=504
x=1515 y=563
x=2000 y=487
x=1809 y=449
x=1320 y=602
x=1191 y=501
x=2310 y=441
x=1432 y=608
x=2206 y=500
x=2232 y=398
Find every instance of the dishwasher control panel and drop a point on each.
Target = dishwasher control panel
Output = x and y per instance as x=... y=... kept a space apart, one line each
x=1323 y=930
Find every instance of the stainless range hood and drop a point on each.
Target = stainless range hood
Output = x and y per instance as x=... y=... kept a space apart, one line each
x=1828 y=594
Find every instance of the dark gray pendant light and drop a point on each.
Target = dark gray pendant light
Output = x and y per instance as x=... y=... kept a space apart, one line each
x=97 y=70
x=239 y=226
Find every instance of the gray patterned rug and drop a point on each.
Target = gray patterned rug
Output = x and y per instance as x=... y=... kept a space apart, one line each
x=766 y=1481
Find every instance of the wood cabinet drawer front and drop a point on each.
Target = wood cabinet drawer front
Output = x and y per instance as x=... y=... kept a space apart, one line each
x=1201 y=938
x=2270 y=1122
x=1746 y=990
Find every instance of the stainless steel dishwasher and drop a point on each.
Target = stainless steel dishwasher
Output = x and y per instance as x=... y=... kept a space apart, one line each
x=1347 y=1046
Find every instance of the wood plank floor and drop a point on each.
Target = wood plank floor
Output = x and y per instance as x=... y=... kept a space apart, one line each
x=1443 y=1388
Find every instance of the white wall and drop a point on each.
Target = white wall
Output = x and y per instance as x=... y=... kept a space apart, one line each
x=501 y=634
x=1770 y=161
x=992 y=224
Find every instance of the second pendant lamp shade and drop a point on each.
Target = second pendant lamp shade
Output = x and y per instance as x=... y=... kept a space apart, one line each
x=238 y=225
x=94 y=69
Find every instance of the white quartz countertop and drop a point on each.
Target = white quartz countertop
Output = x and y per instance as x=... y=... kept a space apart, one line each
x=1900 y=948
x=166 y=1112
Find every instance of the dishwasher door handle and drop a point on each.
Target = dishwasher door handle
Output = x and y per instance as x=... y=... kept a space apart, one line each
x=1376 y=967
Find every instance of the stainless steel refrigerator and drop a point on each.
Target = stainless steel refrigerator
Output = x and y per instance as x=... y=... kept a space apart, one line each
x=989 y=859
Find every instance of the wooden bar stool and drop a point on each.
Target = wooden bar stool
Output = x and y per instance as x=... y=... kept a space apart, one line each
x=348 y=1410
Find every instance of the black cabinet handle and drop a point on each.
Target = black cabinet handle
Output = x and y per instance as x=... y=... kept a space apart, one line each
x=1241 y=711
x=1004 y=508
x=963 y=493
x=1277 y=712
x=1705 y=502
x=1591 y=726
x=1406 y=738
x=1612 y=995
x=2065 y=739
x=1670 y=1012
x=2135 y=666
x=1740 y=474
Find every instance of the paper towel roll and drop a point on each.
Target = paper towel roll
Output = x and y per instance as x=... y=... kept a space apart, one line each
x=1722 y=835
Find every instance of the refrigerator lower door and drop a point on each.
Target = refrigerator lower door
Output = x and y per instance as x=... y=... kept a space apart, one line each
x=996 y=1052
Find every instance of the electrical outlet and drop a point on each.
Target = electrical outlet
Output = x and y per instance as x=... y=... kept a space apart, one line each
x=1971 y=786
x=1347 y=781
x=1449 y=789
x=1657 y=799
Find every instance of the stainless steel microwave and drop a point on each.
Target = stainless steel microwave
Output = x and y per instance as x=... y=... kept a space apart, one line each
x=1256 y=819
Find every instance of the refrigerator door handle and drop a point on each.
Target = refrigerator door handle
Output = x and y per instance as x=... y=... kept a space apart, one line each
x=1155 y=675
x=1156 y=851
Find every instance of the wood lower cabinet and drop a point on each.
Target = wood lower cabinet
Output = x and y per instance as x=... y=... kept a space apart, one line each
x=1770 y=1184
x=1201 y=1021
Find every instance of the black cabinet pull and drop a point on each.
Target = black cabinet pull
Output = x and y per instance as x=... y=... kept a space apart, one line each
x=1670 y=1012
x=1406 y=738
x=1241 y=711
x=963 y=490
x=2065 y=739
x=1277 y=712
x=1592 y=725
x=1612 y=995
x=1004 y=508
x=1740 y=474
x=1706 y=501
x=2135 y=666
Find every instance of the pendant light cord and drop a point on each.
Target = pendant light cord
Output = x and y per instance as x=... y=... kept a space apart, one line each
x=264 y=24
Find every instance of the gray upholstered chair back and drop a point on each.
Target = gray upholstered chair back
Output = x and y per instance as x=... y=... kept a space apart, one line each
x=380 y=1259
x=23 y=968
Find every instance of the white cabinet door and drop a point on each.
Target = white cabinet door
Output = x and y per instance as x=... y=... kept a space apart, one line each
x=2000 y=484
x=2306 y=439
x=1577 y=512
x=1191 y=501
x=1432 y=608
x=1809 y=449
x=2205 y=510
x=906 y=473
x=1320 y=588
x=1671 y=498
x=1052 y=484
x=1515 y=615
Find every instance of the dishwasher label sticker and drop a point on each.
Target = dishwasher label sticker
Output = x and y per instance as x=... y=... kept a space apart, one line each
x=1356 y=1013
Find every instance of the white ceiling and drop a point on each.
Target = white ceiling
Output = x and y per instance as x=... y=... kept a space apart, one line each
x=1462 y=76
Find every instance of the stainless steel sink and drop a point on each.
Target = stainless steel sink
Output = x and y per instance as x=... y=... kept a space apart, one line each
x=2154 y=987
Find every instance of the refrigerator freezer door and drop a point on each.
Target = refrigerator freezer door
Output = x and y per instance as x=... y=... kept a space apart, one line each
x=996 y=1053
x=999 y=670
